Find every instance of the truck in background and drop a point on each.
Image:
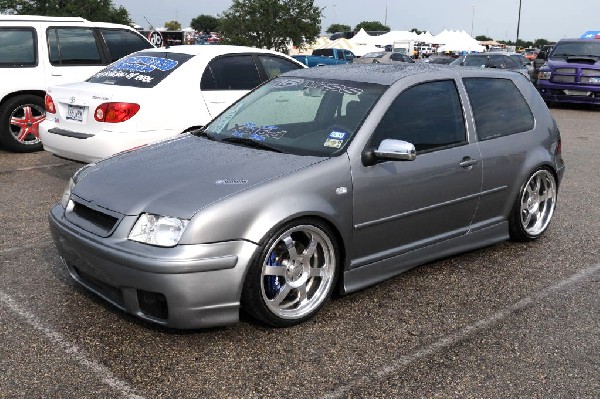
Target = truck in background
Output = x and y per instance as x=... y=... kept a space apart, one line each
x=406 y=47
x=326 y=56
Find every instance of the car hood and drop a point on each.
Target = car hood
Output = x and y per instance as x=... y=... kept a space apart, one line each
x=180 y=177
x=554 y=63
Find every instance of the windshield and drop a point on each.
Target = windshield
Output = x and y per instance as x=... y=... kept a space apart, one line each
x=373 y=55
x=299 y=116
x=577 y=49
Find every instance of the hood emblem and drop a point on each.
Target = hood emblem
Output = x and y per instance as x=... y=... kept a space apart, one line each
x=72 y=100
x=231 y=181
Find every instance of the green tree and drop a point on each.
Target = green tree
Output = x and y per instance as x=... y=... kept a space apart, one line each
x=417 y=31
x=483 y=38
x=271 y=24
x=333 y=28
x=205 y=23
x=372 y=26
x=172 y=25
x=539 y=43
x=93 y=10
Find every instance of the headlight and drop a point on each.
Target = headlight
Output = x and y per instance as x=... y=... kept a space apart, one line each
x=162 y=231
x=544 y=75
x=64 y=200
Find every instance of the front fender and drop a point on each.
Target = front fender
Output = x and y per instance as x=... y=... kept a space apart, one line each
x=322 y=190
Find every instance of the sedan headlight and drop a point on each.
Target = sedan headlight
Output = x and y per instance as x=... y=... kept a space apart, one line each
x=162 y=231
x=544 y=75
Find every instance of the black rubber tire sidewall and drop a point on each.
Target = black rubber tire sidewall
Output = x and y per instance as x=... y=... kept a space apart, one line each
x=6 y=138
x=252 y=301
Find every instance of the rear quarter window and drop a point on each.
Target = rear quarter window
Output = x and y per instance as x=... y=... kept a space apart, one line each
x=498 y=107
x=73 y=46
x=143 y=69
x=17 y=47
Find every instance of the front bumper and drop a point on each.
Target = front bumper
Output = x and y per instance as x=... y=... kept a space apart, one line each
x=565 y=93
x=188 y=286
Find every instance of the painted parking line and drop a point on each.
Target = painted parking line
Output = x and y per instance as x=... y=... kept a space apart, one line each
x=78 y=354
x=464 y=333
x=44 y=166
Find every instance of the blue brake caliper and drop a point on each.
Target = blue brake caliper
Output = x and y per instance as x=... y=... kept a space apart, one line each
x=273 y=283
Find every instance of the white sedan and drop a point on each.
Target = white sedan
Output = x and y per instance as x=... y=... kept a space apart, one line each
x=152 y=95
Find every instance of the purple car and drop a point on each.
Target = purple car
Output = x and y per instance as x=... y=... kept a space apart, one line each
x=571 y=73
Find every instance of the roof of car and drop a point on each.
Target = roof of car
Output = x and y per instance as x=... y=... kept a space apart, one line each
x=386 y=74
x=209 y=50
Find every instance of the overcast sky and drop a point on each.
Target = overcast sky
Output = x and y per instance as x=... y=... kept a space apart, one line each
x=548 y=19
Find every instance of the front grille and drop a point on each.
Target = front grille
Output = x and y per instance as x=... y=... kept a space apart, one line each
x=590 y=80
x=90 y=219
x=113 y=293
x=563 y=79
x=590 y=72
x=565 y=70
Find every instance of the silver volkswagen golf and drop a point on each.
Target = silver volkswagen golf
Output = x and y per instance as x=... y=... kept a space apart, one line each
x=321 y=179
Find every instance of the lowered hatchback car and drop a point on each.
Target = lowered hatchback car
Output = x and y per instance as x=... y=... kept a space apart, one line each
x=152 y=95
x=323 y=178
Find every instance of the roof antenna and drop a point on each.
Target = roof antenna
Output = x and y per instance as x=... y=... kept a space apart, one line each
x=151 y=26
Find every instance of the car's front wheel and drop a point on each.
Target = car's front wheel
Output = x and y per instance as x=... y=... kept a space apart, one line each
x=534 y=206
x=20 y=118
x=294 y=274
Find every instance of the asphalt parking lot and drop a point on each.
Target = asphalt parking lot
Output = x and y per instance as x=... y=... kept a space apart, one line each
x=511 y=320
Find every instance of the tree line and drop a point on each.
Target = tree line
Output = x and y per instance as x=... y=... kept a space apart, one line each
x=257 y=23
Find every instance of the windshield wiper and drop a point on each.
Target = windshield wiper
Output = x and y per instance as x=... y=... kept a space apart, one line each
x=250 y=143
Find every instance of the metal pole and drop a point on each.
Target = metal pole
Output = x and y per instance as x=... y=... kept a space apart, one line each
x=472 y=20
x=518 y=24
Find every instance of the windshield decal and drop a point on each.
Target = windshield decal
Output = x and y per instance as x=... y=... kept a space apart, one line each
x=255 y=132
x=333 y=143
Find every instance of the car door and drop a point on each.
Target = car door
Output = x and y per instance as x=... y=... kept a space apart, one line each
x=404 y=205
x=226 y=79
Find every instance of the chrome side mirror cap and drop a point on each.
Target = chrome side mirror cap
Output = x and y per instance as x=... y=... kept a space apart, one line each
x=390 y=150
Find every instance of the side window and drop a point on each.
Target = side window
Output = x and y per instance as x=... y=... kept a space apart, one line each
x=275 y=66
x=397 y=57
x=428 y=115
x=498 y=107
x=73 y=46
x=17 y=47
x=121 y=42
x=230 y=73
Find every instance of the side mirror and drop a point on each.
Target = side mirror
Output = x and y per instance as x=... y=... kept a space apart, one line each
x=390 y=150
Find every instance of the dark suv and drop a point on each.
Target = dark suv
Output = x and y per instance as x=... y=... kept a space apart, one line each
x=571 y=73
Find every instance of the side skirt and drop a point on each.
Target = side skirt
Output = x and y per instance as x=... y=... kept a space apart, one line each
x=364 y=276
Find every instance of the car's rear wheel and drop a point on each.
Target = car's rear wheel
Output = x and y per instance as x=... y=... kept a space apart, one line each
x=534 y=206
x=293 y=275
x=20 y=118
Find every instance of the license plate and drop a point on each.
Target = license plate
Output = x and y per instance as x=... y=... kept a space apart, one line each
x=75 y=113
x=577 y=93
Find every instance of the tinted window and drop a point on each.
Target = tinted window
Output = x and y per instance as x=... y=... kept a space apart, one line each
x=498 y=106
x=326 y=52
x=399 y=57
x=275 y=66
x=231 y=73
x=142 y=69
x=122 y=42
x=73 y=46
x=17 y=47
x=502 y=61
x=428 y=115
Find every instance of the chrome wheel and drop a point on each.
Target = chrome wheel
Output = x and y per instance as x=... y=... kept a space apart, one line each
x=537 y=202
x=24 y=123
x=298 y=272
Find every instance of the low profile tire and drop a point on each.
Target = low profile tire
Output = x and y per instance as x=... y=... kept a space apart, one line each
x=20 y=118
x=534 y=206
x=293 y=275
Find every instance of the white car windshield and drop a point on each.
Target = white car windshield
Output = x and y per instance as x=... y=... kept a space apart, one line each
x=300 y=116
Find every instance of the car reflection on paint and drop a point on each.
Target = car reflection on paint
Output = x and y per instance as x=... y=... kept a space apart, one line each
x=321 y=179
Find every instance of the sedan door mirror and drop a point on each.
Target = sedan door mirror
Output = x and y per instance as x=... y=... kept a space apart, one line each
x=390 y=150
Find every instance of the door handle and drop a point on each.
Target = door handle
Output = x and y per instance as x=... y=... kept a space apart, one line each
x=467 y=163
